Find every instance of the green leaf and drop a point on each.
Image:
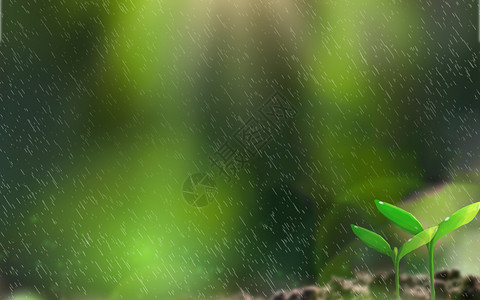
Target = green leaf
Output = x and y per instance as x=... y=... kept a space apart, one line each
x=401 y=218
x=372 y=240
x=459 y=218
x=422 y=238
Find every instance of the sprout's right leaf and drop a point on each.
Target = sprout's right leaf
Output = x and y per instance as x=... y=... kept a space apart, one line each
x=459 y=218
x=401 y=218
x=417 y=241
x=372 y=240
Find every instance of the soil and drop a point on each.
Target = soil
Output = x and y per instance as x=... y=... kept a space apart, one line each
x=449 y=284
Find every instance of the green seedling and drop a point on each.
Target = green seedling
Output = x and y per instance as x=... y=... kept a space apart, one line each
x=378 y=243
x=406 y=221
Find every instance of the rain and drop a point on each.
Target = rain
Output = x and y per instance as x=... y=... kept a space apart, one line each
x=234 y=149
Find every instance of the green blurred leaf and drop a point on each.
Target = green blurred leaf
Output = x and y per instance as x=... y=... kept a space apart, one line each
x=459 y=218
x=422 y=238
x=372 y=240
x=401 y=218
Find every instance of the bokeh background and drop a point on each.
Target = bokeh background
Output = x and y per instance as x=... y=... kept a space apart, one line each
x=108 y=107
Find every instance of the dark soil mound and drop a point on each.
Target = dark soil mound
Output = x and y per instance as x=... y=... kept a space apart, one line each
x=449 y=284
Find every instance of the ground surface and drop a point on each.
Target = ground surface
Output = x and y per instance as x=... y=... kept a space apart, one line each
x=449 y=284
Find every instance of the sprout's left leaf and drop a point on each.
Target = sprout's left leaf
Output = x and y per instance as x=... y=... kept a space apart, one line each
x=459 y=218
x=417 y=241
x=372 y=240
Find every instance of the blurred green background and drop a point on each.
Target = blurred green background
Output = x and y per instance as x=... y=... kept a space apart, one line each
x=107 y=108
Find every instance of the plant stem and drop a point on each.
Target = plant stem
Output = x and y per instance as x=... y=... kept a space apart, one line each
x=430 y=247
x=396 y=265
x=397 y=279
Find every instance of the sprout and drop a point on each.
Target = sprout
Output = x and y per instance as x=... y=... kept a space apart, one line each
x=406 y=221
x=379 y=244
